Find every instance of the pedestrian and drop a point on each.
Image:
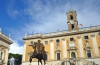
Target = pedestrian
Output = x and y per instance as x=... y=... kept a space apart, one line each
x=12 y=60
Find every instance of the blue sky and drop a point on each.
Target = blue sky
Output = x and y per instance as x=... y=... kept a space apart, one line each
x=18 y=17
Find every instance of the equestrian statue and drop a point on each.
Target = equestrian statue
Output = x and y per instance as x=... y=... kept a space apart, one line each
x=39 y=52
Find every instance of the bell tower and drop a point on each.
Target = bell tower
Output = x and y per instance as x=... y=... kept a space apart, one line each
x=72 y=20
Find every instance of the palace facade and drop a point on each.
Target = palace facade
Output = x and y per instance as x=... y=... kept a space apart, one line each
x=5 y=43
x=80 y=44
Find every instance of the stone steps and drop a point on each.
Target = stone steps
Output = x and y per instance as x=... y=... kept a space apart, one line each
x=78 y=62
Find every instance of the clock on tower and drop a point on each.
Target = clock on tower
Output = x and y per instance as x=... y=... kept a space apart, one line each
x=72 y=20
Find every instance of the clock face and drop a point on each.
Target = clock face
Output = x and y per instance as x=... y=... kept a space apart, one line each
x=71 y=21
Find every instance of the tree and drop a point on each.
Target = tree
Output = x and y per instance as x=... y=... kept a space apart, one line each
x=18 y=58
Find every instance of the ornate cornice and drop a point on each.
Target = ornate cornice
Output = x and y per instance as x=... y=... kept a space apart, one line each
x=5 y=38
x=63 y=33
x=3 y=44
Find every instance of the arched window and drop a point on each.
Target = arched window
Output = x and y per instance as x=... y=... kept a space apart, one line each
x=58 y=56
x=88 y=53
x=72 y=26
x=71 y=17
x=73 y=55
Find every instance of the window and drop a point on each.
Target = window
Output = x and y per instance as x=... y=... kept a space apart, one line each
x=88 y=53
x=57 y=40
x=73 y=55
x=71 y=17
x=46 y=42
x=71 y=39
x=86 y=37
x=72 y=26
x=31 y=43
x=58 y=56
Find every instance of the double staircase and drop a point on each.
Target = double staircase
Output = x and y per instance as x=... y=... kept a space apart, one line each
x=86 y=62
x=76 y=62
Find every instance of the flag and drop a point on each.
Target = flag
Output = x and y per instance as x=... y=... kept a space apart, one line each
x=81 y=24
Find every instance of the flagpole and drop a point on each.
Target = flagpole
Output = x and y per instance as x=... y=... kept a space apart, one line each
x=82 y=27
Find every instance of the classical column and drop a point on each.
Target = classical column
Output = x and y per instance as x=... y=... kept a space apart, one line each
x=95 y=45
x=24 y=52
x=64 y=49
x=0 y=53
x=80 y=46
x=6 y=55
x=51 y=50
x=3 y=55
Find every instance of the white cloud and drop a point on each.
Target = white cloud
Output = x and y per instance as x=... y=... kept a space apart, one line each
x=16 y=48
x=49 y=18
x=13 y=13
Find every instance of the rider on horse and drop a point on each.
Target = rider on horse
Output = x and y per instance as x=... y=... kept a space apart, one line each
x=38 y=48
x=39 y=52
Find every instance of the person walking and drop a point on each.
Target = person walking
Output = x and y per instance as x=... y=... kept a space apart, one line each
x=12 y=60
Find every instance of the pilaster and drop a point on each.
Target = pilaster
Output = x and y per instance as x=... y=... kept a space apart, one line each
x=64 y=48
x=95 y=45
x=80 y=46
x=24 y=52
x=51 y=50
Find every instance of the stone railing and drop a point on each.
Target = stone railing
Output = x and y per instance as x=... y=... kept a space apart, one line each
x=60 y=63
x=85 y=62
x=64 y=32
x=76 y=61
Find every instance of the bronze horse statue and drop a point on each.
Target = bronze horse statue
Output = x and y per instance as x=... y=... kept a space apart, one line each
x=38 y=54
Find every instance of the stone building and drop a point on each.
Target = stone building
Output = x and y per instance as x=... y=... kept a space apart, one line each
x=76 y=44
x=5 y=42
